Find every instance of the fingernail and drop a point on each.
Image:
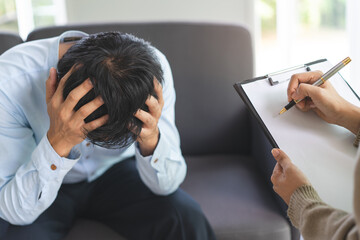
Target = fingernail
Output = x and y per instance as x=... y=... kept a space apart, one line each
x=275 y=152
x=50 y=71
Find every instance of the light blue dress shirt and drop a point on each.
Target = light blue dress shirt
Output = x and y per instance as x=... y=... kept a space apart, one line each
x=31 y=172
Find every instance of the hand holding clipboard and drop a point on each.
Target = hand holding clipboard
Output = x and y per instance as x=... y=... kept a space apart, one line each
x=320 y=150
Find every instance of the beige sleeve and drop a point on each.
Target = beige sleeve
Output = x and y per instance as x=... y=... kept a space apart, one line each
x=317 y=220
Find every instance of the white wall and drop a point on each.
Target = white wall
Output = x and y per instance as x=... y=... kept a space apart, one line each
x=225 y=11
x=90 y=11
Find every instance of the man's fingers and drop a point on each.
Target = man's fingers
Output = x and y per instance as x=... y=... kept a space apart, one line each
x=90 y=126
x=67 y=75
x=76 y=94
x=145 y=117
x=88 y=108
x=159 y=92
x=296 y=79
x=51 y=83
x=59 y=91
x=154 y=106
x=281 y=157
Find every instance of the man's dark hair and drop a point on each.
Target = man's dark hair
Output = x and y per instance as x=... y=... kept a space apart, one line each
x=121 y=68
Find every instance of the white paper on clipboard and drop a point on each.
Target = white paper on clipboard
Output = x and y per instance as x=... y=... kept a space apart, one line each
x=324 y=152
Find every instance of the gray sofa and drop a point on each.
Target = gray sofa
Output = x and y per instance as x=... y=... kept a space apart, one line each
x=8 y=40
x=228 y=156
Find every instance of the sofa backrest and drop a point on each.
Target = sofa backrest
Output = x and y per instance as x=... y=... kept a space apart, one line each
x=8 y=40
x=206 y=60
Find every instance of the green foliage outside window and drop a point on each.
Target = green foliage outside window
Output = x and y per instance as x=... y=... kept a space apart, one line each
x=268 y=15
x=323 y=13
x=41 y=3
x=310 y=13
x=333 y=13
x=43 y=15
x=8 y=21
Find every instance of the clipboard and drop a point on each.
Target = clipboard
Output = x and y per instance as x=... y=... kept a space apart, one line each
x=323 y=151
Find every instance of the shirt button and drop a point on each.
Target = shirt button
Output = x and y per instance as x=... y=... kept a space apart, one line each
x=87 y=157
x=88 y=144
x=155 y=161
x=53 y=167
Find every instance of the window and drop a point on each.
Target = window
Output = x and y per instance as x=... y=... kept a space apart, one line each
x=8 y=19
x=294 y=32
x=24 y=15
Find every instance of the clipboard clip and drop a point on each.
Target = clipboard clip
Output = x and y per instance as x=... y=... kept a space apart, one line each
x=275 y=78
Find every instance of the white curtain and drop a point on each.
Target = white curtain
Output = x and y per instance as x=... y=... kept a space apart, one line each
x=353 y=27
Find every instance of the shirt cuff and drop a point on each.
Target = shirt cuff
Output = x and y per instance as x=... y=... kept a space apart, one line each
x=302 y=198
x=50 y=164
x=161 y=153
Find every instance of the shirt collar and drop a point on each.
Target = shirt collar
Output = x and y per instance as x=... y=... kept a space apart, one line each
x=55 y=50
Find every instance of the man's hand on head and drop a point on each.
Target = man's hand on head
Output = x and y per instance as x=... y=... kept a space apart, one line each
x=67 y=127
x=149 y=135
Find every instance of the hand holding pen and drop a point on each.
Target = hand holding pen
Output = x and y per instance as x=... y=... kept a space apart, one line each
x=319 y=81
x=323 y=100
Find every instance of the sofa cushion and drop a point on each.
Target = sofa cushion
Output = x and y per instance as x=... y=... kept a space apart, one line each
x=236 y=200
x=8 y=40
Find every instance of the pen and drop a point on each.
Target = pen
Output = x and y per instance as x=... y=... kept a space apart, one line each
x=320 y=81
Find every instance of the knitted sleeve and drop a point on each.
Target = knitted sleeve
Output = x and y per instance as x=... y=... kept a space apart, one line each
x=317 y=220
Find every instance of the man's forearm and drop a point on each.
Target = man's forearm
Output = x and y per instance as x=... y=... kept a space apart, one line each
x=147 y=146
x=163 y=171
x=34 y=186
x=61 y=146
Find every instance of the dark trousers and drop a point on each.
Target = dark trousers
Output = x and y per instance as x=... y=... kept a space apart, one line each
x=120 y=200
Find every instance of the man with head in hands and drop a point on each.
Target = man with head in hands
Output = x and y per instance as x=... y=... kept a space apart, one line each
x=98 y=140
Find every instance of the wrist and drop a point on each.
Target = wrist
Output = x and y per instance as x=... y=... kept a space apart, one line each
x=147 y=146
x=350 y=118
x=61 y=147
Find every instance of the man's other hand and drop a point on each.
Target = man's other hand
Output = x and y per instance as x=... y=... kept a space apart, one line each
x=67 y=127
x=149 y=135
x=286 y=177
